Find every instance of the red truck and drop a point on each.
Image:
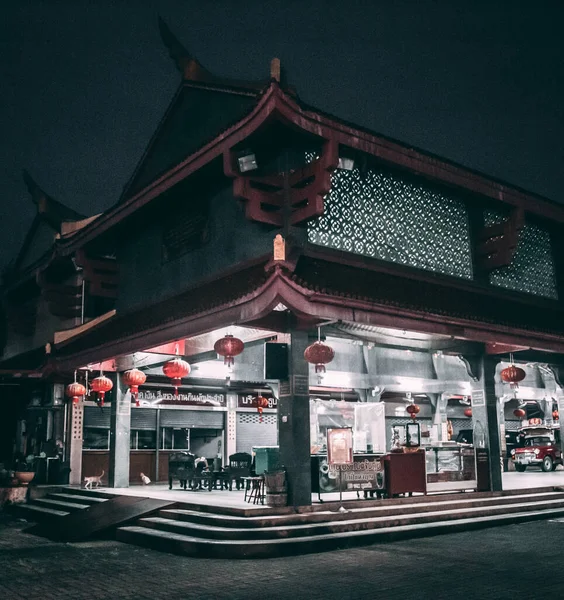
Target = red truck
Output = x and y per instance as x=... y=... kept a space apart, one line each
x=538 y=448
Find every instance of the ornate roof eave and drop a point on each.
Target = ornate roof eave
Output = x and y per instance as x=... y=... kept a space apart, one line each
x=192 y=70
x=282 y=286
x=275 y=102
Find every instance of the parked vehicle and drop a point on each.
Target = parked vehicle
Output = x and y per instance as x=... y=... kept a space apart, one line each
x=539 y=449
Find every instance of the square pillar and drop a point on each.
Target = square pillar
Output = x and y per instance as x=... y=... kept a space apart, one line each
x=120 y=433
x=486 y=417
x=293 y=423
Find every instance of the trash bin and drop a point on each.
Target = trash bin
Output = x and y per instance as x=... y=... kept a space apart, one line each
x=267 y=458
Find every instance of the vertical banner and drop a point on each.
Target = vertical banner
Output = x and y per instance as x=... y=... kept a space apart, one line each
x=340 y=446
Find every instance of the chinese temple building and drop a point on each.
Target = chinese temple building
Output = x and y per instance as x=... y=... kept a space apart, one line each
x=253 y=228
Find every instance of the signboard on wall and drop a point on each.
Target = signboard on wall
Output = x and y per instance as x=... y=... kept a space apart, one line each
x=478 y=398
x=250 y=400
x=340 y=446
x=149 y=396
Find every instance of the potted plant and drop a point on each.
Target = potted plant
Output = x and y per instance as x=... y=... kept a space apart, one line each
x=25 y=470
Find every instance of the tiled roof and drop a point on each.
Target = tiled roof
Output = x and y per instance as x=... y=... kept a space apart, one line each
x=220 y=292
x=334 y=279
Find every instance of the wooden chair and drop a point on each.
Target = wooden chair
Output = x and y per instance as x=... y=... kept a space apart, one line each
x=239 y=467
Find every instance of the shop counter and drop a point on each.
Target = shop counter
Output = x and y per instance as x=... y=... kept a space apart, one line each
x=450 y=467
x=405 y=472
x=365 y=474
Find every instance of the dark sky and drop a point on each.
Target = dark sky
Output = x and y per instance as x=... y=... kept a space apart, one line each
x=84 y=83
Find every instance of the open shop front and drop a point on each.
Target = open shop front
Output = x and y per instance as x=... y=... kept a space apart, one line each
x=395 y=453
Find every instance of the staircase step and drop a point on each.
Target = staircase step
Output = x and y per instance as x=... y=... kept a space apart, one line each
x=193 y=546
x=350 y=523
x=82 y=499
x=34 y=510
x=60 y=504
x=431 y=505
x=76 y=491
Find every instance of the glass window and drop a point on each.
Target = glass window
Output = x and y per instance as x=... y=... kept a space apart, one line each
x=175 y=438
x=142 y=439
x=96 y=438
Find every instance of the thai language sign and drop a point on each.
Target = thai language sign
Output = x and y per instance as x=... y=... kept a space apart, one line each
x=339 y=446
x=250 y=400
x=364 y=473
x=186 y=397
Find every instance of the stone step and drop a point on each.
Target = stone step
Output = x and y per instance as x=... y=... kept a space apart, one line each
x=60 y=504
x=33 y=512
x=176 y=543
x=351 y=522
x=76 y=491
x=434 y=504
x=82 y=499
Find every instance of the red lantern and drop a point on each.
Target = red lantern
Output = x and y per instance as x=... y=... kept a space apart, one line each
x=133 y=379
x=555 y=415
x=467 y=412
x=176 y=369
x=262 y=403
x=75 y=391
x=229 y=347
x=519 y=413
x=101 y=385
x=513 y=375
x=319 y=354
x=413 y=410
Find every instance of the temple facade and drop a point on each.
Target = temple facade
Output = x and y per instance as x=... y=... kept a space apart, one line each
x=256 y=216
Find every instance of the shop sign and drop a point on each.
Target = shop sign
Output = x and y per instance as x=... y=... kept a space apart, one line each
x=249 y=400
x=339 y=446
x=364 y=473
x=186 y=397
x=478 y=398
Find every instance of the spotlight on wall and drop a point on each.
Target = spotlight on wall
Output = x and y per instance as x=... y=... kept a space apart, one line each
x=347 y=164
x=247 y=161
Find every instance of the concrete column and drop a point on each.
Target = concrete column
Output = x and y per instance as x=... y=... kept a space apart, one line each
x=293 y=423
x=120 y=432
x=486 y=416
x=231 y=426
x=76 y=418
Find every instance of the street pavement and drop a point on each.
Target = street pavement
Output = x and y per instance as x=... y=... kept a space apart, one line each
x=517 y=562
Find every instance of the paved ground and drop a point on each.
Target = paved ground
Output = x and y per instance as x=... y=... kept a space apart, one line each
x=517 y=562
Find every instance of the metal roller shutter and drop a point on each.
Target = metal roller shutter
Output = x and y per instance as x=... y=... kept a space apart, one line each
x=251 y=432
x=143 y=418
x=192 y=418
x=95 y=416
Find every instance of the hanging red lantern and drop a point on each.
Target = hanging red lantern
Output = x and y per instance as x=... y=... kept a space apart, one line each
x=513 y=375
x=467 y=412
x=413 y=410
x=175 y=370
x=261 y=403
x=555 y=415
x=229 y=347
x=133 y=379
x=101 y=385
x=319 y=354
x=75 y=391
x=519 y=413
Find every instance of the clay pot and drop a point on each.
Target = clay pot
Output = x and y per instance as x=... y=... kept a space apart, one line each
x=24 y=477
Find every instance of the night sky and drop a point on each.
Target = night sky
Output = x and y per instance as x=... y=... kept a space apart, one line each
x=85 y=83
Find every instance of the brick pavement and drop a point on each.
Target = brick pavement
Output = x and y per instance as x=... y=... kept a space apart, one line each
x=517 y=562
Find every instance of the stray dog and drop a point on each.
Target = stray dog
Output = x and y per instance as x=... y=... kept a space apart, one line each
x=144 y=479
x=94 y=479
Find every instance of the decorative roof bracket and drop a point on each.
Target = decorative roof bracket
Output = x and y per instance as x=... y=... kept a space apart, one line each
x=498 y=242
x=295 y=196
